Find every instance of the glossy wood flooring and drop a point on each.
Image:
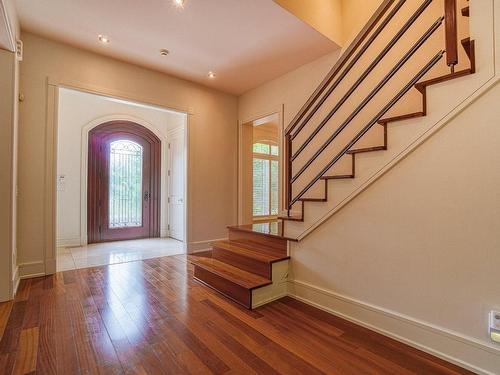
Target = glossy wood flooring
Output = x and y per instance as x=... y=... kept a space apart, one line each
x=150 y=317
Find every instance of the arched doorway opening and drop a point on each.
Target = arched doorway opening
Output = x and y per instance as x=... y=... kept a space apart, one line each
x=123 y=193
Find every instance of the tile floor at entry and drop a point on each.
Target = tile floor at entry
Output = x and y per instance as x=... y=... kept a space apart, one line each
x=70 y=258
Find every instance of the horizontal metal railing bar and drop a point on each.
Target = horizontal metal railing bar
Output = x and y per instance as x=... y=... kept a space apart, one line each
x=341 y=62
x=344 y=73
x=358 y=136
x=363 y=76
x=370 y=96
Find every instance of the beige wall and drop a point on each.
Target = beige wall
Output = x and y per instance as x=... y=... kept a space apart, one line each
x=323 y=15
x=212 y=131
x=355 y=14
x=290 y=90
x=338 y=20
x=414 y=256
x=422 y=243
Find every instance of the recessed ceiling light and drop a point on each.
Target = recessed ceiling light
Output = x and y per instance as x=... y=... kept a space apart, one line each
x=103 y=39
x=179 y=3
x=211 y=75
x=164 y=52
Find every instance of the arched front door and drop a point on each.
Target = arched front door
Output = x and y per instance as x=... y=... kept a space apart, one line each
x=123 y=182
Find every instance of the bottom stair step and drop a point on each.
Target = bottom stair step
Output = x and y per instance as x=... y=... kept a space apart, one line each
x=231 y=281
x=251 y=257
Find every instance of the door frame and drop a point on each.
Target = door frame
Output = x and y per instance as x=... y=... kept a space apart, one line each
x=170 y=135
x=94 y=158
x=53 y=84
x=84 y=169
x=279 y=111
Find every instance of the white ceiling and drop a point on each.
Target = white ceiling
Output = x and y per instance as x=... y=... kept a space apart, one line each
x=245 y=42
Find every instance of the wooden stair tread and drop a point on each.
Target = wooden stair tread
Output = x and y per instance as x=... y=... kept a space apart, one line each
x=465 y=11
x=233 y=274
x=249 y=250
x=258 y=246
x=447 y=77
x=366 y=149
x=313 y=199
x=271 y=229
x=401 y=117
x=291 y=218
x=338 y=177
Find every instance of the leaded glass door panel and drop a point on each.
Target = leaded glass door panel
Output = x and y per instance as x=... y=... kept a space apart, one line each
x=123 y=184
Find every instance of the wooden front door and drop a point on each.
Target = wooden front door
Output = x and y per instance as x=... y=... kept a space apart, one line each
x=123 y=182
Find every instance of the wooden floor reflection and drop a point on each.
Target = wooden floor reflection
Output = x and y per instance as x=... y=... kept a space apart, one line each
x=150 y=317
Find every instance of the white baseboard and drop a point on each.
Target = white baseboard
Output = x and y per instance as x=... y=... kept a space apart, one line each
x=68 y=242
x=453 y=347
x=15 y=281
x=31 y=269
x=198 y=246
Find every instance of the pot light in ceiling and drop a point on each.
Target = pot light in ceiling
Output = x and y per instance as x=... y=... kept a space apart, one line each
x=164 y=52
x=211 y=75
x=103 y=39
x=179 y=3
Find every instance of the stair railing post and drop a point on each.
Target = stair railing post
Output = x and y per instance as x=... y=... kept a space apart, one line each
x=451 y=33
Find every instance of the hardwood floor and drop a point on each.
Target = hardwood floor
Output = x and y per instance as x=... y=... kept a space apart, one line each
x=151 y=317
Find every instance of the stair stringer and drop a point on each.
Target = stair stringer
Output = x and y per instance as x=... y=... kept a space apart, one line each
x=444 y=101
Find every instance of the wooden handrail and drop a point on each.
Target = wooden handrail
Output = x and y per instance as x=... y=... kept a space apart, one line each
x=381 y=10
x=451 y=38
x=348 y=68
x=363 y=76
x=379 y=115
x=370 y=96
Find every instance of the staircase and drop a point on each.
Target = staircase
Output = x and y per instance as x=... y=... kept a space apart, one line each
x=382 y=78
x=250 y=267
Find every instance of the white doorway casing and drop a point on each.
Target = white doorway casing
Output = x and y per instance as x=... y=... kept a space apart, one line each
x=176 y=183
x=79 y=236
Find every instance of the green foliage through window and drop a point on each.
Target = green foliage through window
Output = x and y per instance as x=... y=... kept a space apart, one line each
x=125 y=184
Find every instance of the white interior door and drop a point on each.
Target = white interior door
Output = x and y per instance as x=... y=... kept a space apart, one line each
x=176 y=184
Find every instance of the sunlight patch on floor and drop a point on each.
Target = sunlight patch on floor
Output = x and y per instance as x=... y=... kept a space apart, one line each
x=70 y=258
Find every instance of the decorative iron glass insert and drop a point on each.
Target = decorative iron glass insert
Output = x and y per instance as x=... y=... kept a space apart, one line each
x=125 y=184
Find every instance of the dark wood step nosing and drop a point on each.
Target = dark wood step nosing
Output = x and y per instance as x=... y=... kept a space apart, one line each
x=227 y=295
x=444 y=78
x=257 y=246
x=466 y=11
x=247 y=261
x=401 y=117
x=367 y=149
x=338 y=177
x=313 y=199
x=291 y=218
x=214 y=271
x=261 y=234
x=257 y=249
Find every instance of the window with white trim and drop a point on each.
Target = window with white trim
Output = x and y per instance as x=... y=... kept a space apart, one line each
x=265 y=178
